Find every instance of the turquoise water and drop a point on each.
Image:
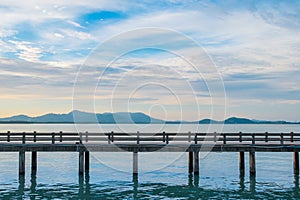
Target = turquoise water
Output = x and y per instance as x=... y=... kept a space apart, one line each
x=57 y=176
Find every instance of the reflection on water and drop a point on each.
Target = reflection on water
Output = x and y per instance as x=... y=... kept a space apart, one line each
x=193 y=180
x=242 y=184
x=33 y=184
x=21 y=185
x=219 y=181
x=135 y=190
x=252 y=184
x=135 y=181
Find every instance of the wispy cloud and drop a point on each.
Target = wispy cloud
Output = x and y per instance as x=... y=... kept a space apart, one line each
x=26 y=51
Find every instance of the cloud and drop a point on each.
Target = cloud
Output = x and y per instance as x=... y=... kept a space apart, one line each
x=6 y=33
x=75 y=24
x=59 y=35
x=35 y=80
x=26 y=51
x=78 y=34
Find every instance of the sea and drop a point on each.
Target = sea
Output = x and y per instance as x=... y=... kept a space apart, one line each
x=161 y=175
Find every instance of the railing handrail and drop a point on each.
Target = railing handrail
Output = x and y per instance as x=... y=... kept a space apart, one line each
x=165 y=137
x=148 y=133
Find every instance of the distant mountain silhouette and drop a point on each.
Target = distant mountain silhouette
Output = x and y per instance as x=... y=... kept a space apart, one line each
x=24 y=118
x=209 y=121
x=84 y=117
x=51 y=118
x=127 y=117
x=235 y=120
x=77 y=116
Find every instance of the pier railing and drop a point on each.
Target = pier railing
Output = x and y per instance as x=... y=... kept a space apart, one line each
x=159 y=138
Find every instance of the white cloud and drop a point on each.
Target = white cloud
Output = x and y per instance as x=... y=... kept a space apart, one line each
x=75 y=24
x=59 y=35
x=78 y=34
x=26 y=51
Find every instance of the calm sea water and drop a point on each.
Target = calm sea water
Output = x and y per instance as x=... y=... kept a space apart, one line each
x=162 y=175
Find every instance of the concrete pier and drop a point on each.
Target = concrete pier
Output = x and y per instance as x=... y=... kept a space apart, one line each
x=81 y=162
x=33 y=162
x=87 y=161
x=252 y=163
x=21 y=162
x=196 y=162
x=135 y=170
x=242 y=163
x=191 y=162
x=296 y=163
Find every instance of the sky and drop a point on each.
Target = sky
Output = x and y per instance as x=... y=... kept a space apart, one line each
x=54 y=53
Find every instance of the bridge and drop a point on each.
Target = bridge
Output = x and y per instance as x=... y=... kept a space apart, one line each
x=137 y=142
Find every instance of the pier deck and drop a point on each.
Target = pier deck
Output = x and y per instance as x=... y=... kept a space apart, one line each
x=193 y=143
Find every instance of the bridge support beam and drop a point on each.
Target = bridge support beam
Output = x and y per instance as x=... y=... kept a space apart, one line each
x=242 y=163
x=21 y=162
x=196 y=162
x=81 y=162
x=296 y=163
x=252 y=163
x=135 y=170
x=87 y=161
x=33 y=162
x=190 y=161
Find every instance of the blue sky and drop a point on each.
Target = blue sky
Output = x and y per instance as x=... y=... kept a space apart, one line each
x=255 y=46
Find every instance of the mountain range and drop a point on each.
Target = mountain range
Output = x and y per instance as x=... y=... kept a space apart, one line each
x=123 y=118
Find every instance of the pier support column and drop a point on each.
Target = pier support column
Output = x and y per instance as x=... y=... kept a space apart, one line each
x=81 y=162
x=190 y=162
x=21 y=162
x=33 y=162
x=296 y=163
x=196 y=162
x=252 y=162
x=135 y=163
x=87 y=161
x=242 y=163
